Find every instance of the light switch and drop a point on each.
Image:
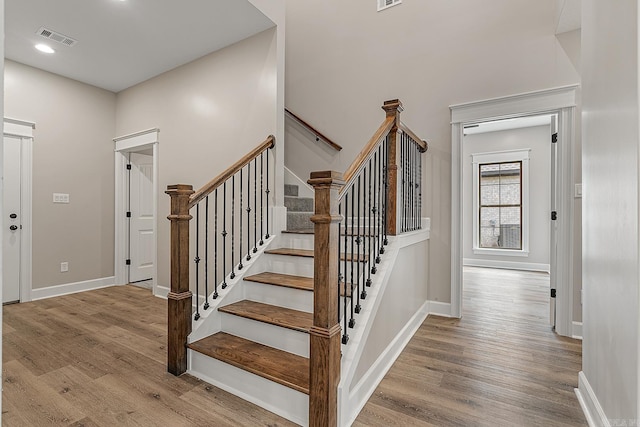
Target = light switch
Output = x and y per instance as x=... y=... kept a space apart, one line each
x=60 y=198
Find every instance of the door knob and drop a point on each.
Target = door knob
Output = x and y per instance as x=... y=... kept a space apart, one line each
x=13 y=228
x=13 y=216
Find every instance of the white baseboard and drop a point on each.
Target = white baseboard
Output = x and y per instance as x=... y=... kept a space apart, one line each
x=593 y=412
x=576 y=330
x=71 y=288
x=361 y=393
x=508 y=265
x=161 y=291
x=439 y=308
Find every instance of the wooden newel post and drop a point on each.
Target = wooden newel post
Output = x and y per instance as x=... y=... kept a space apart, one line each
x=179 y=299
x=325 y=356
x=393 y=109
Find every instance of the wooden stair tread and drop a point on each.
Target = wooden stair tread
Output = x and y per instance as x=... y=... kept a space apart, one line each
x=302 y=231
x=308 y=253
x=276 y=365
x=286 y=280
x=279 y=316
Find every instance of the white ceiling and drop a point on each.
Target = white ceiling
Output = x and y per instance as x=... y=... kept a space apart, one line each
x=124 y=42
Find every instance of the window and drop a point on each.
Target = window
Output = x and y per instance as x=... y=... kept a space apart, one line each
x=500 y=192
x=384 y=4
x=500 y=205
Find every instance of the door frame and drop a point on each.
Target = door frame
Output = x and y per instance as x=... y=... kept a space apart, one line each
x=23 y=130
x=560 y=101
x=123 y=145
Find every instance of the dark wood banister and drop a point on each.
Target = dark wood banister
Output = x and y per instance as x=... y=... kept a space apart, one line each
x=318 y=134
x=424 y=145
x=216 y=182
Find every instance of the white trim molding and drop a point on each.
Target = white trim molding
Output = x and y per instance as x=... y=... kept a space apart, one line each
x=438 y=308
x=507 y=265
x=146 y=139
x=577 y=330
x=589 y=403
x=71 y=288
x=560 y=101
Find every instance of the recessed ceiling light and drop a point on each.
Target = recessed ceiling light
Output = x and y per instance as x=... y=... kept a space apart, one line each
x=44 y=48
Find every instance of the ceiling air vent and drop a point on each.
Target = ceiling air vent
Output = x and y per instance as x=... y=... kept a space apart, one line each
x=385 y=4
x=57 y=37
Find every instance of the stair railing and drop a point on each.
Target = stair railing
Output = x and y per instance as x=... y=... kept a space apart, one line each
x=316 y=133
x=378 y=196
x=231 y=210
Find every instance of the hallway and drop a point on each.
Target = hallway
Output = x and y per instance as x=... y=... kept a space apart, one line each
x=500 y=365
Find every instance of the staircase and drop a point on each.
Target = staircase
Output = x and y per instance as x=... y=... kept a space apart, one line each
x=299 y=210
x=261 y=351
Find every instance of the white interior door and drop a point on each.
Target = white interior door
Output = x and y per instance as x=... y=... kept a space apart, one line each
x=141 y=235
x=12 y=235
x=553 y=237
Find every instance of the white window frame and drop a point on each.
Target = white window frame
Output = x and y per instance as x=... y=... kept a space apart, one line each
x=520 y=155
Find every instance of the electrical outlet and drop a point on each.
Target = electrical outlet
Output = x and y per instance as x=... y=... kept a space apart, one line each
x=64 y=267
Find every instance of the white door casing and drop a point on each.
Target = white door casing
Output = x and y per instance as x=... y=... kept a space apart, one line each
x=12 y=213
x=560 y=101
x=141 y=223
x=553 y=232
x=136 y=142
x=17 y=154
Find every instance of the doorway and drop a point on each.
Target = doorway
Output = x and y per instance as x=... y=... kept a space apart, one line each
x=136 y=171
x=560 y=102
x=17 y=146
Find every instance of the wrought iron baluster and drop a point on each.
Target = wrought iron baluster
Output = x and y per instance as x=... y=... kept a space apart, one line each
x=420 y=180
x=206 y=253
x=261 y=199
x=385 y=207
x=362 y=293
x=369 y=229
x=376 y=212
x=224 y=235
x=233 y=227
x=240 y=266
x=352 y=321
x=267 y=193
x=248 y=211
x=215 y=245
x=255 y=205
x=197 y=261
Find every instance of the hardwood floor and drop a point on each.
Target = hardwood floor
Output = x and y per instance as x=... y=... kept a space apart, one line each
x=500 y=365
x=98 y=359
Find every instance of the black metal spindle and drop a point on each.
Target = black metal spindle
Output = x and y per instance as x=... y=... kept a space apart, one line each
x=352 y=321
x=248 y=211
x=376 y=211
x=360 y=263
x=233 y=227
x=405 y=184
x=255 y=205
x=206 y=253
x=267 y=193
x=224 y=235
x=240 y=266
x=261 y=198
x=385 y=206
x=343 y=261
x=197 y=261
x=215 y=245
x=420 y=191
x=369 y=229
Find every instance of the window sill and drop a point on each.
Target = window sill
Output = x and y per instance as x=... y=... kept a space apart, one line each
x=501 y=252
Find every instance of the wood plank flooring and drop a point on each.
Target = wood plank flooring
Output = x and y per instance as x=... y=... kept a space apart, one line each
x=98 y=359
x=500 y=365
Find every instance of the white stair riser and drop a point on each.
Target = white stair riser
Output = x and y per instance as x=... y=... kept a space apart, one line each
x=264 y=333
x=295 y=299
x=284 y=264
x=284 y=401
x=296 y=241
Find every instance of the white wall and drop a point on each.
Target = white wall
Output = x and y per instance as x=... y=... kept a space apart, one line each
x=538 y=140
x=72 y=153
x=210 y=113
x=344 y=59
x=610 y=173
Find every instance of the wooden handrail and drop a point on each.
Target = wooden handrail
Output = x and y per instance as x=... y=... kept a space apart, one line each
x=368 y=149
x=220 y=179
x=319 y=135
x=424 y=145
